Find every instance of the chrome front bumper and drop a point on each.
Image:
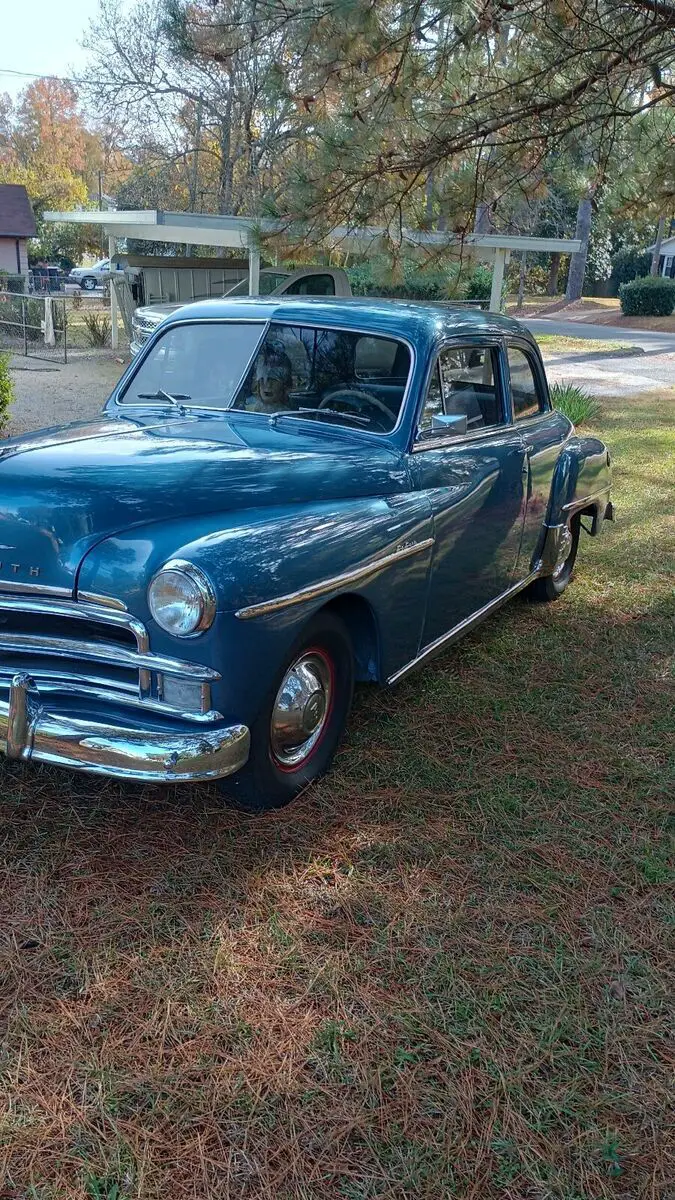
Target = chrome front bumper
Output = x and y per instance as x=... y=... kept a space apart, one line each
x=29 y=731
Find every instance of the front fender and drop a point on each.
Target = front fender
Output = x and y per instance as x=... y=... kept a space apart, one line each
x=263 y=555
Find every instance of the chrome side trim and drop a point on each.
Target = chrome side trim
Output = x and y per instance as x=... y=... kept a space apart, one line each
x=35 y=589
x=465 y=626
x=97 y=598
x=81 y=612
x=573 y=504
x=357 y=575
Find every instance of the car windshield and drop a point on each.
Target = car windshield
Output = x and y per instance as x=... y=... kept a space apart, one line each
x=329 y=375
x=334 y=375
x=200 y=363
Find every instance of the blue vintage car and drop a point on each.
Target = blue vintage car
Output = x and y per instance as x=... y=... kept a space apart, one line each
x=280 y=498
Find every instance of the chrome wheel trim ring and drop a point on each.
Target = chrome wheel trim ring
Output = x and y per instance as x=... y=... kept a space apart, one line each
x=301 y=709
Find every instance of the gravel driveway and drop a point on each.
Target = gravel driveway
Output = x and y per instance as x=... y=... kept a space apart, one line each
x=54 y=393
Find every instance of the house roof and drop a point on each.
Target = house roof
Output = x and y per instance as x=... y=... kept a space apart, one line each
x=16 y=214
x=667 y=245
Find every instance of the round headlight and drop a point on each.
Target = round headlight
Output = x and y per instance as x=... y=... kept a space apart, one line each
x=181 y=599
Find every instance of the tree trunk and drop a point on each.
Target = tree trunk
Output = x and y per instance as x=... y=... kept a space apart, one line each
x=483 y=220
x=654 y=269
x=226 y=166
x=429 y=200
x=553 y=272
x=575 y=281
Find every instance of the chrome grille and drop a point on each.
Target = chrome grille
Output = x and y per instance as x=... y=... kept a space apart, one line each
x=83 y=649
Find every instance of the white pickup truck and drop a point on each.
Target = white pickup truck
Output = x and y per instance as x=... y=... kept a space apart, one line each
x=274 y=281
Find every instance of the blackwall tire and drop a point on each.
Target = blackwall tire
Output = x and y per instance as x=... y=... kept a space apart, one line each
x=551 y=587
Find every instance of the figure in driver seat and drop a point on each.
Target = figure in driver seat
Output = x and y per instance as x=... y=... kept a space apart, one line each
x=272 y=382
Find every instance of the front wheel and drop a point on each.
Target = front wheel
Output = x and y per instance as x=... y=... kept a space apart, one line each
x=550 y=587
x=301 y=721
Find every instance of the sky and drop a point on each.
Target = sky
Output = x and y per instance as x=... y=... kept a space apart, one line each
x=42 y=36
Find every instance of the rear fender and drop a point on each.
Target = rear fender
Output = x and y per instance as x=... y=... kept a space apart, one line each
x=581 y=486
x=581 y=483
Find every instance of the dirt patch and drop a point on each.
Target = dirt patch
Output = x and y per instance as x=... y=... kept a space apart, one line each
x=54 y=394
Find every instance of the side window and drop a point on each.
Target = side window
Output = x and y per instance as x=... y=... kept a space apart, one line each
x=525 y=391
x=312 y=285
x=463 y=385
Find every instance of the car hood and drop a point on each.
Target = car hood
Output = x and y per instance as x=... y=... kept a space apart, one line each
x=63 y=490
x=156 y=312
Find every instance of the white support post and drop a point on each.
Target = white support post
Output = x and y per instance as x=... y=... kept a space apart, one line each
x=253 y=270
x=114 y=331
x=497 y=281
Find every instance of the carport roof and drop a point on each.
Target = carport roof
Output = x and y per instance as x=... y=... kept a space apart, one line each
x=200 y=229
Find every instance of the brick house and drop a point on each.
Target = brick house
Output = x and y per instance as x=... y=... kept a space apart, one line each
x=17 y=224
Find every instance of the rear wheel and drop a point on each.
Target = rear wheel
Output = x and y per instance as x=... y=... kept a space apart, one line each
x=301 y=721
x=550 y=587
x=88 y=283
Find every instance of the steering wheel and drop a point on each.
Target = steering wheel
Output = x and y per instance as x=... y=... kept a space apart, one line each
x=358 y=400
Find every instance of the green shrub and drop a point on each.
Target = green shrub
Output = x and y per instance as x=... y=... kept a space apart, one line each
x=536 y=278
x=6 y=390
x=97 y=328
x=574 y=402
x=630 y=264
x=12 y=283
x=478 y=283
x=406 y=281
x=650 y=296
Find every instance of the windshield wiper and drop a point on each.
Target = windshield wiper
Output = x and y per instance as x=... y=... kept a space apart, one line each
x=336 y=412
x=160 y=394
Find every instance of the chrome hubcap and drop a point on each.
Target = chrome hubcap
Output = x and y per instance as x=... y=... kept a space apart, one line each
x=301 y=709
x=564 y=549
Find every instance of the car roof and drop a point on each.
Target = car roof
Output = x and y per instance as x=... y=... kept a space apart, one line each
x=398 y=318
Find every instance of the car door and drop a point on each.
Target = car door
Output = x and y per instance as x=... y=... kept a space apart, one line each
x=543 y=431
x=470 y=462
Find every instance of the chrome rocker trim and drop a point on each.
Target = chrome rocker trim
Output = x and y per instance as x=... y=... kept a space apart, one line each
x=357 y=575
x=28 y=731
x=458 y=631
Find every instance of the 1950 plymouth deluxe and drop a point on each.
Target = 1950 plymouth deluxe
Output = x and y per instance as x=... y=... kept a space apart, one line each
x=280 y=498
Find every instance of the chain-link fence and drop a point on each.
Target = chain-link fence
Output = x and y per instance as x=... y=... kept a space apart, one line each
x=35 y=326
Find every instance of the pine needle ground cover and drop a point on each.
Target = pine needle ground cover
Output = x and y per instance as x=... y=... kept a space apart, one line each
x=442 y=973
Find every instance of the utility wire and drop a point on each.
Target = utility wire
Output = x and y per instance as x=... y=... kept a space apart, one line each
x=40 y=75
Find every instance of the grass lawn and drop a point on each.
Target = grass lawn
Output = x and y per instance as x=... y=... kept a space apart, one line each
x=442 y=973
x=553 y=343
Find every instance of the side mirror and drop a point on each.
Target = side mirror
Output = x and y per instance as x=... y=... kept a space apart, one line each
x=449 y=423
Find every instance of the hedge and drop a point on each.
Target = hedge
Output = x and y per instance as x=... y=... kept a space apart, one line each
x=650 y=296
x=12 y=283
x=411 y=282
x=6 y=390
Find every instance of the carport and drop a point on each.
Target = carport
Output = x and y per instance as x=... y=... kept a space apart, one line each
x=248 y=233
